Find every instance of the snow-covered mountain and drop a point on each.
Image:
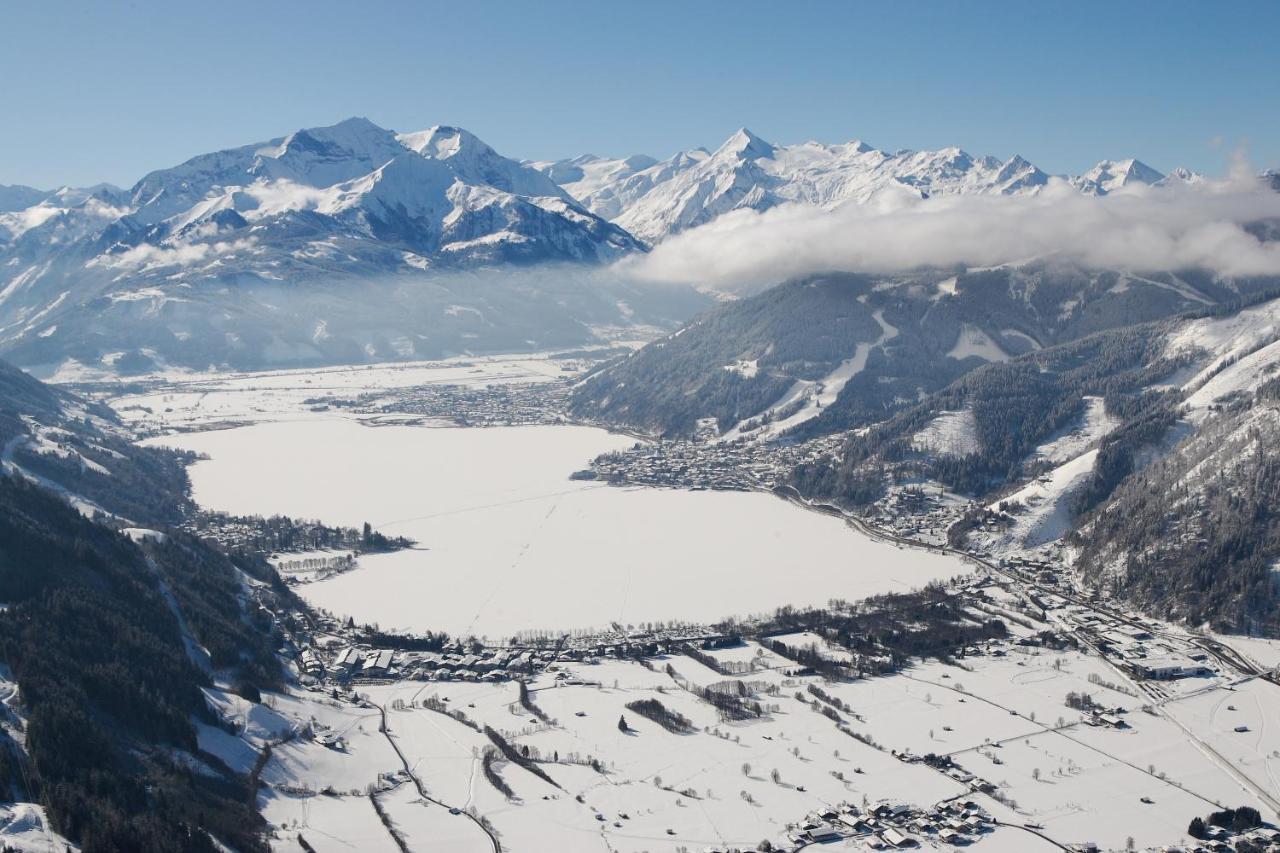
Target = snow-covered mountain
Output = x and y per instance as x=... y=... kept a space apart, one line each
x=441 y=194
x=25 y=208
x=608 y=187
x=18 y=197
x=1111 y=175
x=346 y=202
x=308 y=202
x=693 y=187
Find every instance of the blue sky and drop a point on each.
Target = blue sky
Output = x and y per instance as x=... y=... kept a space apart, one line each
x=109 y=91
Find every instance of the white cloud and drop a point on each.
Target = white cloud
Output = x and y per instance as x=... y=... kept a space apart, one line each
x=146 y=256
x=1141 y=229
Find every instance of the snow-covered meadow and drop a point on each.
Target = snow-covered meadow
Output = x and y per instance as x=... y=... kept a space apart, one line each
x=722 y=784
x=187 y=400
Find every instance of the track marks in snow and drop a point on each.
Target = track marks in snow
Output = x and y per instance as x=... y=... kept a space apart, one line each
x=524 y=549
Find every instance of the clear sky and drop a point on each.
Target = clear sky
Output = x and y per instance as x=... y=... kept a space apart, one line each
x=95 y=91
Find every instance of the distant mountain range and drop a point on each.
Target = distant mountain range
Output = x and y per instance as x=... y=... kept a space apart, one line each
x=654 y=200
x=247 y=256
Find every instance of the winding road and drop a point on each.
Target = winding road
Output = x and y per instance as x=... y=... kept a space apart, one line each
x=422 y=790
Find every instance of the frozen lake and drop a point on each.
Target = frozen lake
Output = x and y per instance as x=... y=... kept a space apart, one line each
x=510 y=543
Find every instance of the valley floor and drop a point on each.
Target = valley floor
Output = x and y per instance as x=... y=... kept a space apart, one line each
x=402 y=759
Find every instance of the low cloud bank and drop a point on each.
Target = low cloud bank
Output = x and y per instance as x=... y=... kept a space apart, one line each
x=1140 y=229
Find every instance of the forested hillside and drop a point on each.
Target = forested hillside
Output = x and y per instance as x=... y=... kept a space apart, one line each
x=1176 y=509
x=1014 y=406
x=1196 y=534
x=851 y=350
x=735 y=360
x=108 y=690
x=113 y=623
x=80 y=449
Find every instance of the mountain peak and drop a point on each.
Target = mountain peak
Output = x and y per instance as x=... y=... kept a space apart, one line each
x=357 y=124
x=747 y=145
x=1184 y=175
x=352 y=134
x=1110 y=175
x=443 y=141
x=636 y=162
x=1127 y=170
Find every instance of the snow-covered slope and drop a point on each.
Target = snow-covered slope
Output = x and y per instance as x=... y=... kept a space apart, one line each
x=24 y=828
x=1239 y=353
x=79 y=451
x=1195 y=534
x=607 y=187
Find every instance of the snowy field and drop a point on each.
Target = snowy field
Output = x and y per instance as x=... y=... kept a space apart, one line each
x=721 y=784
x=1045 y=513
x=24 y=828
x=953 y=433
x=194 y=401
x=507 y=542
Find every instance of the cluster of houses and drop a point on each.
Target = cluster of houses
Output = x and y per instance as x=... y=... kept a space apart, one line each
x=460 y=662
x=333 y=652
x=709 y=464
x=1111 y=718
x=349 y=663
x=1219 y=839
x=354 y=663
x=1042 y=571
x=1127 y=643
x=674 y=463
x=644 y=641
x=892 y=826
x=917 y=514
x=500 y=404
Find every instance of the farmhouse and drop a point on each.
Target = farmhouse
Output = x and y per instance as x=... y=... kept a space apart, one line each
x=377 y=663
x=347 y=661
x=310 y=663
x=894 y=838
x=823 y=835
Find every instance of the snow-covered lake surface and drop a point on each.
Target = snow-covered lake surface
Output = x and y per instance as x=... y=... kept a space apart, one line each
x=508 y=543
